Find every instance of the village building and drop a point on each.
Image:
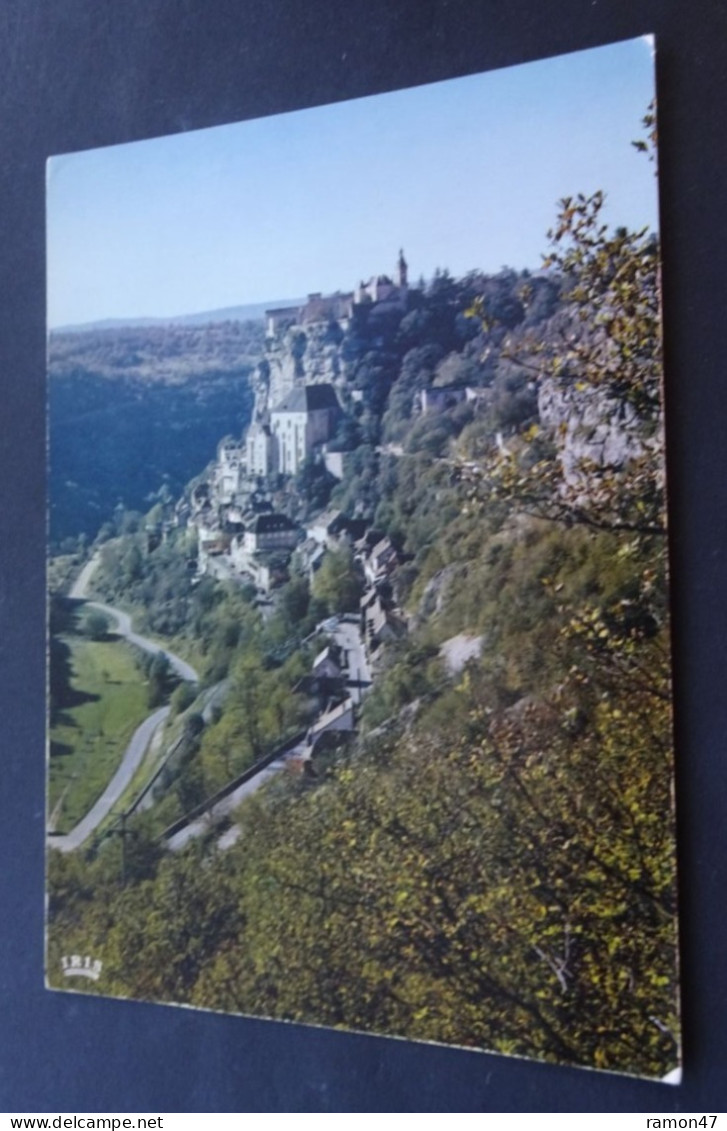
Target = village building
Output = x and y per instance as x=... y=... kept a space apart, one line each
x=328 y=663
x=331 y=308
x=211 y=543
x=261 y=555
x=317 y=309
x=270 y=532
x=440 y=399
x=231 y=521
x=379 y=624
x=380 y=561
x=260 y=450
x=338 y=717
x=264 y=571
x=333 y=462
x=229 y=470
x=280 y=319
x=382 y=292
x=328 y=528
x=325 y=684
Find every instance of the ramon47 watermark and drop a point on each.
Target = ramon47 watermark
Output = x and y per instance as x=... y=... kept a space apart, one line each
x=676 y=1122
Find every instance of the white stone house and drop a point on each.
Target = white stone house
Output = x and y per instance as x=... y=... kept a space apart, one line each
x=229 y=470
x=380 y=561
x=327 y=528
x=260 y=450
x=270 y=532
x=327 y=664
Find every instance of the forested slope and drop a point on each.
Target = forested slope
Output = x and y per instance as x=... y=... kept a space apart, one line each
x=133 y=409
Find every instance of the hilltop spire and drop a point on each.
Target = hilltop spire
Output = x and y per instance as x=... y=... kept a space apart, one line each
x=403 y=268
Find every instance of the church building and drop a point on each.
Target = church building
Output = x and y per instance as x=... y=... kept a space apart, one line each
x=306 y=417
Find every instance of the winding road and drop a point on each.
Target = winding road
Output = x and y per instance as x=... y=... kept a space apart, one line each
x=78 y=592
x=143 y=734
x=346 y=634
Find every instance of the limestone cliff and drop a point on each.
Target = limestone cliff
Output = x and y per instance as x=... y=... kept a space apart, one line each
x=302 y=355
x=590 y=428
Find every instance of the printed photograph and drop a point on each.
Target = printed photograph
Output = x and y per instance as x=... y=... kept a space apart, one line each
x=359 y=690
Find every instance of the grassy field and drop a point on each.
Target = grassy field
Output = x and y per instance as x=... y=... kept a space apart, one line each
x=182 y=646
x=101 y=708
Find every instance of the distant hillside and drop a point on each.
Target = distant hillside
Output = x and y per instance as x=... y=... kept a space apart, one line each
x=248 y=313
x=165 y=352
x=134 y=408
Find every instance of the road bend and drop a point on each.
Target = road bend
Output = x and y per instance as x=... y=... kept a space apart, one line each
x=133 y=755
x=143 y=734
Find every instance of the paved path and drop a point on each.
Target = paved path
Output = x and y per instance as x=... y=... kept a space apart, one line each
x=229 y=803
x=123 y=628
x=78 y=592
x=143 y=734
x=348 y=637
x=80 y=586
x=130 y=762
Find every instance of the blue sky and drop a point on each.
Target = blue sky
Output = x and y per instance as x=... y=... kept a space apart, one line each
x=462 y=174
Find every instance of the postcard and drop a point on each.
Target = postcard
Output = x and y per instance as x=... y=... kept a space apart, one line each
x=359 y=707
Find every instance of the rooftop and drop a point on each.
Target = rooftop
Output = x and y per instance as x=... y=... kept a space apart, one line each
x=327 y=518
x=308 y=398
x=271 y=523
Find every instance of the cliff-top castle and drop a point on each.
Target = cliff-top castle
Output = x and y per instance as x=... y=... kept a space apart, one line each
x=380 y=292
x=296 y=408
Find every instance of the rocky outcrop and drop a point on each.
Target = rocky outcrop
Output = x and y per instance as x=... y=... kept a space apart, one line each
x=436 y=591
x=309 y=356
x=457 y=652
x=589 y=428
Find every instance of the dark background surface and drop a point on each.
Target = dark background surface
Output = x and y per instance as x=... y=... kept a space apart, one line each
x=81 y=73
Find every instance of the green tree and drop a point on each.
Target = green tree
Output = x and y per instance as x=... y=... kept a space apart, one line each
x=337 y=582
x=96 y=625
x=183 y=698
x=293 y=603
x=160 y=679
x=314 y=483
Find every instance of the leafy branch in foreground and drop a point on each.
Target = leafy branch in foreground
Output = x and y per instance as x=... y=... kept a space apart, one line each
x=596 y=456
